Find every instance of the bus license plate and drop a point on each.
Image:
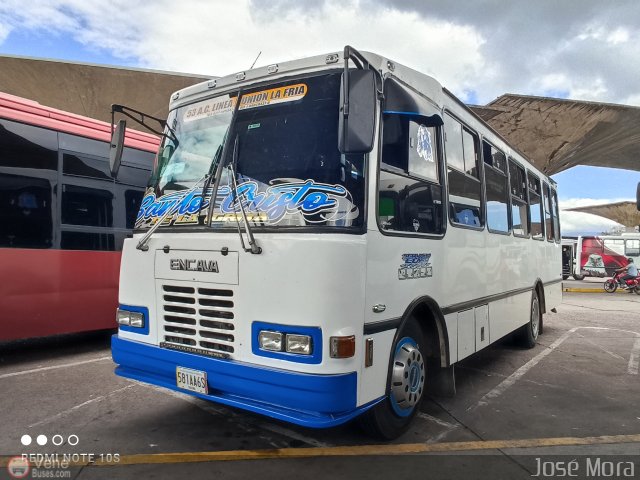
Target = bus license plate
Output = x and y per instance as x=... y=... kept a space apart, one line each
x=193 y=380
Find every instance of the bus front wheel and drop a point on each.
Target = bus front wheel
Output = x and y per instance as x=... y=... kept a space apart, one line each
x=407 y=381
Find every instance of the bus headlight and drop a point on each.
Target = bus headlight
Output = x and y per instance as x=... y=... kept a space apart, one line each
x=130 y=319
x=124 y=317
x=300 y=344
x=136 y=319
x=268 y=340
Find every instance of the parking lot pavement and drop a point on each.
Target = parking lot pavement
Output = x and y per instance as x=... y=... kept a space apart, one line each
x=574 y=394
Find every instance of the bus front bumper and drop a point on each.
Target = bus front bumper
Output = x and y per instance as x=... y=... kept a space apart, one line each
x=309 y=400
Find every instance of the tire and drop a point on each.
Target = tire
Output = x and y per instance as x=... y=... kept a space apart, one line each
x=564 y=277
x=391 y=417
x=610 y=286
x=637 y=290
x=528 y=334
x=578 y=277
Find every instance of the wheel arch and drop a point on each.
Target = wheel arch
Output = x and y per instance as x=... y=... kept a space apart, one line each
x=538 y=287
x=427 y=313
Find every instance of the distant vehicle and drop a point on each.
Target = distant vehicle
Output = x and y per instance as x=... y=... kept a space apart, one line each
x=612 y=284
x=601 y=256
x=63 y=218
x=569 y=249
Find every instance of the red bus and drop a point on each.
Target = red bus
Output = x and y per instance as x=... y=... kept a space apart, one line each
x=601 y=256
x=63 y=218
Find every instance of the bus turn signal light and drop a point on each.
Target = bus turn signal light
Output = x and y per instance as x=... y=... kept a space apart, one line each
x=342 y=347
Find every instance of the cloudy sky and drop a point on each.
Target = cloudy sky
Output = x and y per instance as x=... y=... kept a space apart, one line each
x=579 y=49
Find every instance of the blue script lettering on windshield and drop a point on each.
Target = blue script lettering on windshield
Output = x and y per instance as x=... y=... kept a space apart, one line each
x=316 y=202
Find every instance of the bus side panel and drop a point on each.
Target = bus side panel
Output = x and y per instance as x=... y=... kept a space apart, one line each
x=552 y=296
x=373 y=381
x=47 y=292
x=508 y=314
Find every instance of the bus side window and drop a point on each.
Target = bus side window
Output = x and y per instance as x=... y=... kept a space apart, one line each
x=548 y=213
x=28 y=178
x=632 y=248
x=535 y=207
x=461 y=147
x=410 y=193
x=556 y=216
x=519 y=197
x=496 y=187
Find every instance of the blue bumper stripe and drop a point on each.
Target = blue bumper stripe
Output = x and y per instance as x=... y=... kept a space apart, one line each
x=304 y=399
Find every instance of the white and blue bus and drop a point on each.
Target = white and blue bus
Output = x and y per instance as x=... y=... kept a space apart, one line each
x=324 y=239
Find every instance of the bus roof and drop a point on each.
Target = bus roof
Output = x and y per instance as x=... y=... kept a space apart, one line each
x=442 y=98
x=31 y=112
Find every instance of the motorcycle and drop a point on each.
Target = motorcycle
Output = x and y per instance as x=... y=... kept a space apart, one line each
x=612 y=284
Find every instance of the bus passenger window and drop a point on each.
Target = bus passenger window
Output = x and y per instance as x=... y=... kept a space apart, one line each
x=535 y=207
x=495 y=174
x=410 y=194
x=519 y=207
x=632 y=248
x=556 y=216
x=548 y=215
x=27 y=213
x=461 y=147
x=87 y=206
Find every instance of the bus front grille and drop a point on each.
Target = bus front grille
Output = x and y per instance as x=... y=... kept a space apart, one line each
x=197 y=319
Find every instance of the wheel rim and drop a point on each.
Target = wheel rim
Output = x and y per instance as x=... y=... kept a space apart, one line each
x=610 y=286
x=407 y=378
x=535 y=317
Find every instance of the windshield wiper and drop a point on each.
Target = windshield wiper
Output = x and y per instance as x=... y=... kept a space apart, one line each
x=253 y=246
x=142 y=244
x=212 y=168
x=225 y=149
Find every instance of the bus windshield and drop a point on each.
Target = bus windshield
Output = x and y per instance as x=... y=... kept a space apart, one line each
x=283 y=151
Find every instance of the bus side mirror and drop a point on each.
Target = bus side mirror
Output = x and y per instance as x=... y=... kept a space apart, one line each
x=116 y=147
x=356 y=126
x=638 y=196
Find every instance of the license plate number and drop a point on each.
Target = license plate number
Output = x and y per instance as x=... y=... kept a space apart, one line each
x=193 y=380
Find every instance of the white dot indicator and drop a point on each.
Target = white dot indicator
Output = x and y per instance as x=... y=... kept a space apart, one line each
x=42 y=440
x=26 y=440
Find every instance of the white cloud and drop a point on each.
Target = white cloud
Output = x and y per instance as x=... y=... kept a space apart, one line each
x=576 y=223
x=5 y=29
x=478 y=52
x=219 y=37
x=588 y=202
x=619 y=35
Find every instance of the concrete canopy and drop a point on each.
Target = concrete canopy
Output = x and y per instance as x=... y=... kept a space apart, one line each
x=90 y=90
x=558 y=134
x=624 y=213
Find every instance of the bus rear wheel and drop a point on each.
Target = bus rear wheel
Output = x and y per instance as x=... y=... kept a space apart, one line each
x=528 y=333
x=407 y=382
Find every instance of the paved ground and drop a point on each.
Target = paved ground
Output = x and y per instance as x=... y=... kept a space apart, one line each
x=574 y=396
